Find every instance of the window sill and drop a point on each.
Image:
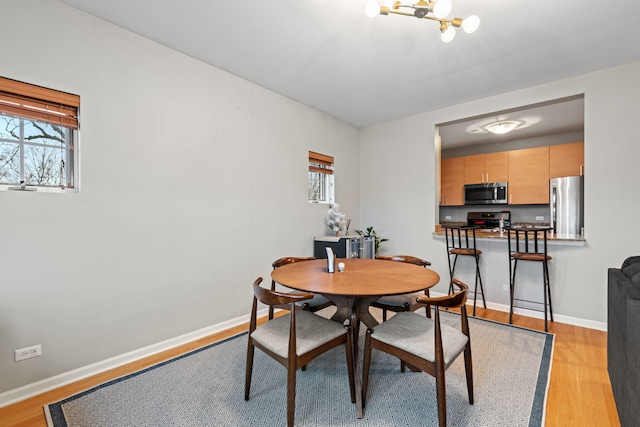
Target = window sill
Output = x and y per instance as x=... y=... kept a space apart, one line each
x=32 y=189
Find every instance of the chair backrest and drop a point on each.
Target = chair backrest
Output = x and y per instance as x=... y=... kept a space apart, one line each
x=527 y=240
x=290 y=260
x=274 y=298
x=269 y=297
x=456 y=299
x=405 y=258
x=460 y=237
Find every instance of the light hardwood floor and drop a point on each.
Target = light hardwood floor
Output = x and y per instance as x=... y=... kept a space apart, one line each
x=579 y=393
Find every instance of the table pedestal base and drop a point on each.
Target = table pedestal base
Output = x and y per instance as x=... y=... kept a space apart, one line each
x=356 y=310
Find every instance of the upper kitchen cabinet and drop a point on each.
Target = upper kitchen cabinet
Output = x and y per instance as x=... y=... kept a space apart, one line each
x=566 y=160
x=529 y=176
x=452 y=182
x=483 y=168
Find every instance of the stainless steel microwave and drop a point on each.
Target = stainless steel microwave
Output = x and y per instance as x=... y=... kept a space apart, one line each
x=492 y=193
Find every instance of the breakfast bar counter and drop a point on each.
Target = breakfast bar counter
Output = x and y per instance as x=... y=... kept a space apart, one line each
x=494 y=233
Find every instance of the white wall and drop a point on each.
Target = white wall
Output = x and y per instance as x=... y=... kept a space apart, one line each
x=399 y=168
x=192 y=182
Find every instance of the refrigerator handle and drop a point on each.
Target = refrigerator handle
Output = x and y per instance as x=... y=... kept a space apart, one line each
x=554 y=189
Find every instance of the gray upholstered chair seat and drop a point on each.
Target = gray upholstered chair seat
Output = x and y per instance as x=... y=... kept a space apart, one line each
x=311 y=332
x=415 y=333
x=416 y=340
x=317 y=301
x=400 y=300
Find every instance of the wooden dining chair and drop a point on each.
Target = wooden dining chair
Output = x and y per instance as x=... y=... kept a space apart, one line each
x=404 y=302
x=426 y=344
x=294 y=339
x=317 y=303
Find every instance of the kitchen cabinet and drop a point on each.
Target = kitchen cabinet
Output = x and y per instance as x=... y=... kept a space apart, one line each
x=566 y=160
x=483 y=168
x=452 y=182
x=529 y=176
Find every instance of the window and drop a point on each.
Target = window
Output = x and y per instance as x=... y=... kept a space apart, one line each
x=38 y=134
x=320 y=178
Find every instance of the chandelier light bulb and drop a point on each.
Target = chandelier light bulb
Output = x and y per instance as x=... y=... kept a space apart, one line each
x=471 y=24
x=433 y=10
x=448 y=34
x=442 y=8
x=372 y=8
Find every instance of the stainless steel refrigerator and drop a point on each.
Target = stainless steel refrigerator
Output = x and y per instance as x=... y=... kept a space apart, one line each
x=567 y=207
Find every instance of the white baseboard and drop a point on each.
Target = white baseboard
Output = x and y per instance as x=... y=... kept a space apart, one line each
x=575 y=321
x=39 y=387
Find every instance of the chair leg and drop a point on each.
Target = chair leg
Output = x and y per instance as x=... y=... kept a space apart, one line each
x=366 y=365
x=350 y=370
x=441 y=396
x=468 y=367
x=384 y=314
x=427 y=309
x=248 y=370
x=291 y=394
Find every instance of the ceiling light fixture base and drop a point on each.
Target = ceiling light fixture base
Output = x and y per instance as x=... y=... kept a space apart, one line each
x=436 y=10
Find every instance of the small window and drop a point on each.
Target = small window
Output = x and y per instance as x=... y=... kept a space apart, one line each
x=320 y=178
x=38 y=136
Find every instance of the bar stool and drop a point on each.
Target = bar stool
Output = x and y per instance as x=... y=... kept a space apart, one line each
x=458 y=243
x=529 y=244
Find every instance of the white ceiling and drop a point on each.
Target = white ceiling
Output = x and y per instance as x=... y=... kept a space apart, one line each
x=329 y=55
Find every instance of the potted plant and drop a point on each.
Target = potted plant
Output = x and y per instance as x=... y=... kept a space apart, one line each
x=370 y=232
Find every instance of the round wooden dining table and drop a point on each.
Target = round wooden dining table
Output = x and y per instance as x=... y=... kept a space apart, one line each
x=362 y=282
x=353 y=290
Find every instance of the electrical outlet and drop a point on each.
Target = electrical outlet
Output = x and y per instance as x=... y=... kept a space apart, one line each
x=28 y=352
x=505 y=288
x=540 y=218
x=447 y=217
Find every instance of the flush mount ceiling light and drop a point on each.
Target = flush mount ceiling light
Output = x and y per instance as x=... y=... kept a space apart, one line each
x=502 y=127
x=434 y=10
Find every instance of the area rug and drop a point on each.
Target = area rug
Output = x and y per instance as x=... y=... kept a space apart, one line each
x=511 y=369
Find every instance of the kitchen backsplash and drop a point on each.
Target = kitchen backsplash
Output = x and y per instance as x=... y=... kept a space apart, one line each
x=519 y=213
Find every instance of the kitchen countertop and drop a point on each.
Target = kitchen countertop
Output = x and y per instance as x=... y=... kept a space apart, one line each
x=482 y=233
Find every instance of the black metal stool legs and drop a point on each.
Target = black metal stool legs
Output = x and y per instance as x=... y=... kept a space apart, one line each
x=452 y=268
x=546 y=291
x=512 y=282
x=475 y=290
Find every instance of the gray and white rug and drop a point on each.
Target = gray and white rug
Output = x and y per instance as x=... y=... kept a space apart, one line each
x=511 y=368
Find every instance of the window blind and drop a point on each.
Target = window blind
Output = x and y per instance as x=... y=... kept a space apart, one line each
x=320 y=163
x=39 y=103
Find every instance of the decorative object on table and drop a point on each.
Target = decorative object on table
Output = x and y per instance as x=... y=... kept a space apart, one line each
x=331 y=260
x=348 y=224
x=336 y=220
x=341 y=267
x=372 y=233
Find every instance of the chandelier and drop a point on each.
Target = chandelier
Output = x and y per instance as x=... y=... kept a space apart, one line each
x=435 y=10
